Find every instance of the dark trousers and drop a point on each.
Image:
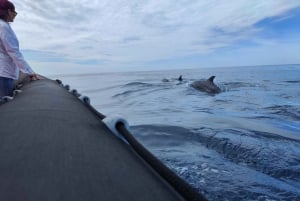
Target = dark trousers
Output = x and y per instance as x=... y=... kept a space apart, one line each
x=6 y=86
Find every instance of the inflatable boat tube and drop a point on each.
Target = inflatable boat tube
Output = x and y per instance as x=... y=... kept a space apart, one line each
x=55 y=147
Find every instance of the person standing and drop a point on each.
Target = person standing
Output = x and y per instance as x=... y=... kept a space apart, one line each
x=11 y=59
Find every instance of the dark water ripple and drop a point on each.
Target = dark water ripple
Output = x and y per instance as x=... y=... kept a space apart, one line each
x=134 y=89
x=264 y=152
x=293 y=81
x=266 y=166
x=287 y=111
x=138 y=84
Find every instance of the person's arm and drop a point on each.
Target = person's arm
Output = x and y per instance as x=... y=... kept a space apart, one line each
x=11 y=45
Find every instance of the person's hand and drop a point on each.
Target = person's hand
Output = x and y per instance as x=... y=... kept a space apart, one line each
x=34 y=77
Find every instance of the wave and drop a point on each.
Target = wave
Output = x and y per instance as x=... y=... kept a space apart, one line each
x=276 y=158
x=287 y=111
x=138 y=84
x=293 y=81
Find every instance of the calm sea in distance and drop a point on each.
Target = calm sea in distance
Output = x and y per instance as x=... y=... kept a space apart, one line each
x=242 y=144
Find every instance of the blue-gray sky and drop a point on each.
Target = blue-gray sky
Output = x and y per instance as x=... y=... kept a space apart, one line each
x=72 y=36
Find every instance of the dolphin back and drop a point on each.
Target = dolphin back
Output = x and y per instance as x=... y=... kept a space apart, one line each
x=207 y=86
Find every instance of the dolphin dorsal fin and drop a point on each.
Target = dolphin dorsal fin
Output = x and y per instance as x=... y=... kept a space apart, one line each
x=180 y=78
x=211 y=79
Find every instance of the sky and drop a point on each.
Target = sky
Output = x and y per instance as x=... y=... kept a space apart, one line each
x=81 y=36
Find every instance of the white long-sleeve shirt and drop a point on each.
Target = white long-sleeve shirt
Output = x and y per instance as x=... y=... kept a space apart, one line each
x=11 y=59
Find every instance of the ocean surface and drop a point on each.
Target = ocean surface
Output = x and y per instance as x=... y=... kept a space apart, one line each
x=242 y=144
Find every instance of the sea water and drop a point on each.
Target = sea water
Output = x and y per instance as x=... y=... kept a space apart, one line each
x=240 y=144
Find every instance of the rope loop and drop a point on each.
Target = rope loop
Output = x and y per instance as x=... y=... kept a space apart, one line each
x=86 y=100
x=67 y=87
x=111 y=123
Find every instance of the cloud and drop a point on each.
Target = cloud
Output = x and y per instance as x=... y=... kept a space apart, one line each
x=120 y=33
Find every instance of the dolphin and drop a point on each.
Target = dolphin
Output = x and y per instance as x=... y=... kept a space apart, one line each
x=207 y=86
x=167 y=80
